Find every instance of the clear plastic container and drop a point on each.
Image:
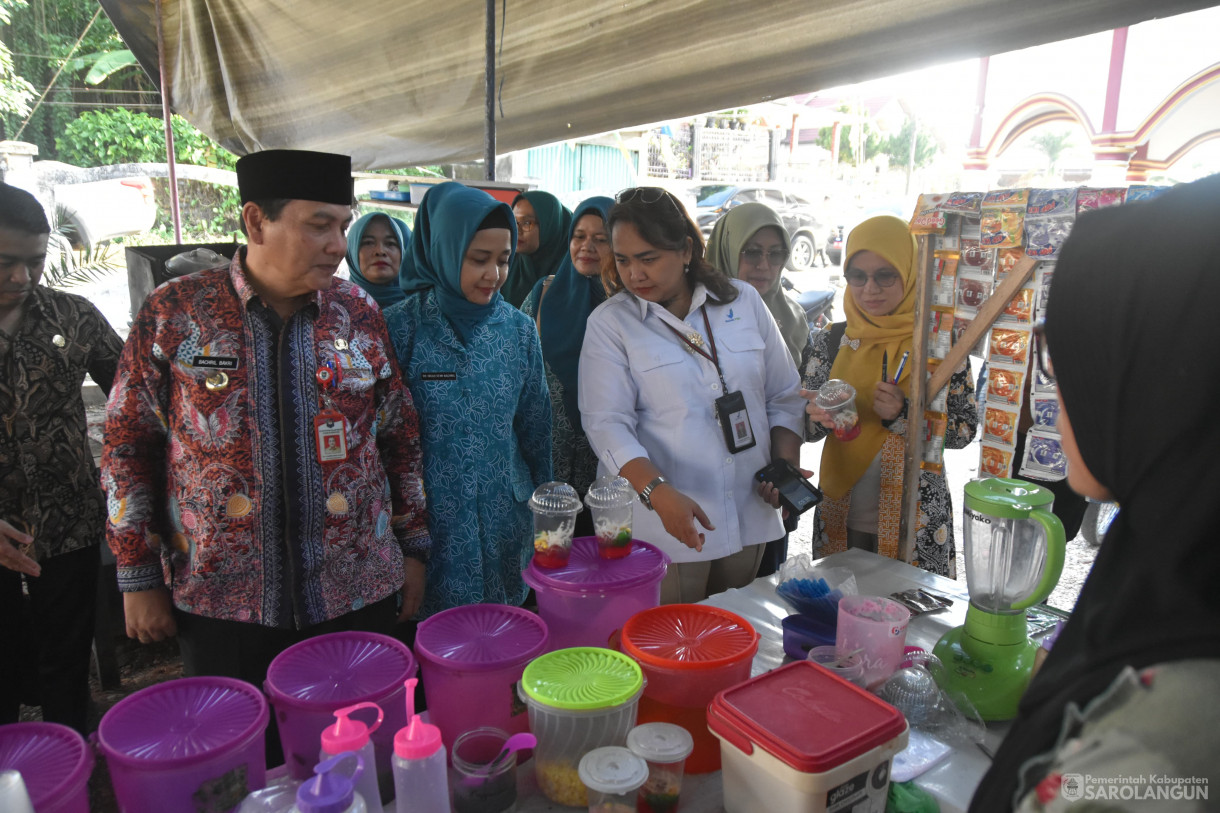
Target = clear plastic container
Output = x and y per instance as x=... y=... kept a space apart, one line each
x=611 y=500
x=839 y=399
x=555 y=506
x=613 y=776
x=421 y=774
x=664 y=747
x=850 y=667
x=579 y=699
x=479 y=787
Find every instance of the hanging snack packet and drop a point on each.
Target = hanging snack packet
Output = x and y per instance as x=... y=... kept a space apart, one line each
x=1044 y=457
x=967 y=203
x=1144 y=192
x=960 y=323
x=928 y=218
x=1044 y=238
x=1051 y=203
x=1005 y=385
x=1042 y=281
x=1020 y=309
x=1010 y=346
x=940 y=333
x=1006 y=260
x=1045 y=411
x=1087 y=199
x=1002 y=228
x=972 y=291
x=944 y=282
x=995 y=461
x=1000 y=425
x=933 y=454
x=1006 y=197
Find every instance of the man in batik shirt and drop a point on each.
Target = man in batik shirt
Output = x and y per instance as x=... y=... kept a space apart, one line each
x=262 y=459
x=51 y=510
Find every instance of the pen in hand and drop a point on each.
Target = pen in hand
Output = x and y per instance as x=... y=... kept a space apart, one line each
x=885 y=365
x=902 y=363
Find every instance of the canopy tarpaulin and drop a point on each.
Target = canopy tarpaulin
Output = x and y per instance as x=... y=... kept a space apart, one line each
x=401 y=82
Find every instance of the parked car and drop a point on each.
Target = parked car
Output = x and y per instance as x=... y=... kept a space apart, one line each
x=88 y=210
x=834 y=245
x=797 y=213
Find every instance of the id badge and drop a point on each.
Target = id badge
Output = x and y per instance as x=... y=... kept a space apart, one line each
x=734 y=420
x=332 y=440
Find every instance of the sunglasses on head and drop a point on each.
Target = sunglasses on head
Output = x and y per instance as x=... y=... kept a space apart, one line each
x=649 y=195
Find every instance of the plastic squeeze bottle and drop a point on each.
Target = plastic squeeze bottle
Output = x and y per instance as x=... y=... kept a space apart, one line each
x=332 y=788
x=352 y=735
x=421 y=774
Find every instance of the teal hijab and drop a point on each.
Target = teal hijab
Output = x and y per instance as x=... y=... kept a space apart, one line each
x=554 y=231
x=565 y=309
x=446 y=223
x=386 y=293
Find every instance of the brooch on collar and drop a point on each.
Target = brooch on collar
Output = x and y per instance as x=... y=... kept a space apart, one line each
x=854 y=344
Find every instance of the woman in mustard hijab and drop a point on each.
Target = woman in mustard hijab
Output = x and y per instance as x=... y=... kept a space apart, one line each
x=862 y=477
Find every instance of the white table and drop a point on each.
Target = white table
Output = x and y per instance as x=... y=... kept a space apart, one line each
x=952 y=782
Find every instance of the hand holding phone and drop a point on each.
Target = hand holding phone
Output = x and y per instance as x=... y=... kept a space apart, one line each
x=796 y=493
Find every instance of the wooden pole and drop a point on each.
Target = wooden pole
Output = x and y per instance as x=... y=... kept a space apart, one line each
x=916 y=400
x=167 y=115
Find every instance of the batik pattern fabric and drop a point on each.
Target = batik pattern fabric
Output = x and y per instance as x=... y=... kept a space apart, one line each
x=48 y=480
x=935 y=548
x=211 y=468
x=485 y=419
x=571 y=455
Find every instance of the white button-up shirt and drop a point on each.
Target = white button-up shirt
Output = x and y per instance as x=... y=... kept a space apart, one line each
x=643 y=393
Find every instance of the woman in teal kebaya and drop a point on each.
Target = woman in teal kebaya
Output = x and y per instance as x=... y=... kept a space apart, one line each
x=474 y=367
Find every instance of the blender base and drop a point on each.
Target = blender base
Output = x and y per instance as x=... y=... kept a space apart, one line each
x=992 y=677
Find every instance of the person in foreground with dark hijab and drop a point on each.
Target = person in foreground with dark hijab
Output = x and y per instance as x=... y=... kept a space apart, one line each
x=1127 y=695
x=543 y=227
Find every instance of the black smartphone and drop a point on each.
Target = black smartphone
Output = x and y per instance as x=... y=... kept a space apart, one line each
x=796 y=493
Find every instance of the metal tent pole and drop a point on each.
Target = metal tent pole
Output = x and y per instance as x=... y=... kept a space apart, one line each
x=489 y=103
x=167 y=115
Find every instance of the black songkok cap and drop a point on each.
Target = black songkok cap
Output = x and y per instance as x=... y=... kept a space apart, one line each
x=296 y=175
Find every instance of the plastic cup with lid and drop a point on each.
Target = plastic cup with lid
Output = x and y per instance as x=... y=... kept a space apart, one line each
x=849 y=667
x=555 y=506
x=611 y=499
x=613 y=776
x=665 y=747
x=839 y=399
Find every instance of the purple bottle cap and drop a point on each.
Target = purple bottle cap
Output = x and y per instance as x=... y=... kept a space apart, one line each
x=480 y=637
x=333 y=786
x=587 y=572
x=340 y=668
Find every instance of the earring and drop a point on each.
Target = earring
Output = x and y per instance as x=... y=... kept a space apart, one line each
x=686 y=268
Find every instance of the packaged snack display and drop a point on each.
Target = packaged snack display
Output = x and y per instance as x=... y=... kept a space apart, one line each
x=962 y=202
x=995 y=461
x=1087 y=199
x=1006 y=197
x=1020 y=309
x=1051 y=203
x=960 y=323
x=944 y=284
x=1006 y=261
x=1002 y=228
x=940 y=333
x=1044 y=238
x=933 y=457
x=928 y=219
x=1000 y=426
x=1005 y=385
x=1044 y=458
x=1042 y=281
x=1143 y=192
x=972 y=291
x=1010 y=345
x=1045 y=411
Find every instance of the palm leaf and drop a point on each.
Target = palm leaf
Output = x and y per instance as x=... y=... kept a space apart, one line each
x=67 y=267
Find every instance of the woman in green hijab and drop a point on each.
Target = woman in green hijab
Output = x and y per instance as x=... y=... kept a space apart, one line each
x=543 y=225
x=750 y=243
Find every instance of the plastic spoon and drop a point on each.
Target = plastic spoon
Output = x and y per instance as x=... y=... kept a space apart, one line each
x=513 y=744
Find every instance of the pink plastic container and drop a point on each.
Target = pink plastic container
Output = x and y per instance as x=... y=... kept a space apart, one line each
x=54 y=762
x=589 y=598
x=186 y=745
x=309 y=681
x=478 y=651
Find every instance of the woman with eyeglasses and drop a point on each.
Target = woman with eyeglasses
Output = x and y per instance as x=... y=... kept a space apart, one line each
x=543 y=225
x=560 y=306
x=862 y=478
x=376 y=244
x=474 y=369
x=1124 y=707
x=687 y=389
x=750 y=243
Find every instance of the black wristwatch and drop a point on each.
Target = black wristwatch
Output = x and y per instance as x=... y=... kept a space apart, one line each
x=646 y=494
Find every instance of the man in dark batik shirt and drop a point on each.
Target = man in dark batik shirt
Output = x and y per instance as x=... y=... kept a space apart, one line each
x=52 y=510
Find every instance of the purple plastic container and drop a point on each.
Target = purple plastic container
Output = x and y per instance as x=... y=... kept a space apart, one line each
x=478 y=651
x=589 y=598
x=186 y=745
x=308 y=681
x=54 y=762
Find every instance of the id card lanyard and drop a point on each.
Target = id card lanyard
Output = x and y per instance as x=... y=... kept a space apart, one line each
x=731 y=412
x=328 y=423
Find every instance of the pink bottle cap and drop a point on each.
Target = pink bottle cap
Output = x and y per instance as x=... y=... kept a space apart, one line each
x=347 y=734
x=417 y=739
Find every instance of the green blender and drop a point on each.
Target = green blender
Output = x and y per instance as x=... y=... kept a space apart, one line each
x=1014 y=555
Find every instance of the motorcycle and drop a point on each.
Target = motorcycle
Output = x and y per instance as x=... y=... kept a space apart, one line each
x=818 y=305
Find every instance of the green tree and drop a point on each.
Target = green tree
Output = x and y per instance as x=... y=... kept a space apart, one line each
x=898 y=146
x=1052 y=145
x=15 y=92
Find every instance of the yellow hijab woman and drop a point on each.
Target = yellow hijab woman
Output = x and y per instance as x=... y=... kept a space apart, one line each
x=866 y=341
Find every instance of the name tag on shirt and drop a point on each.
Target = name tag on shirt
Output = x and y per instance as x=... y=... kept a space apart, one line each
x=216 y=362
x=438 y=376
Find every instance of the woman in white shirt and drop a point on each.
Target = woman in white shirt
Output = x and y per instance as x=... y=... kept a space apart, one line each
x=678 y=351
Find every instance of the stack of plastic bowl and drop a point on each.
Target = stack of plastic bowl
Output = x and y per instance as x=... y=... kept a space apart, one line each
x=689 y=653
x=579 y=699
x=186 y=745
x=477 y=653
x=589 y=598
x=54 y=762
x=309 y=681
